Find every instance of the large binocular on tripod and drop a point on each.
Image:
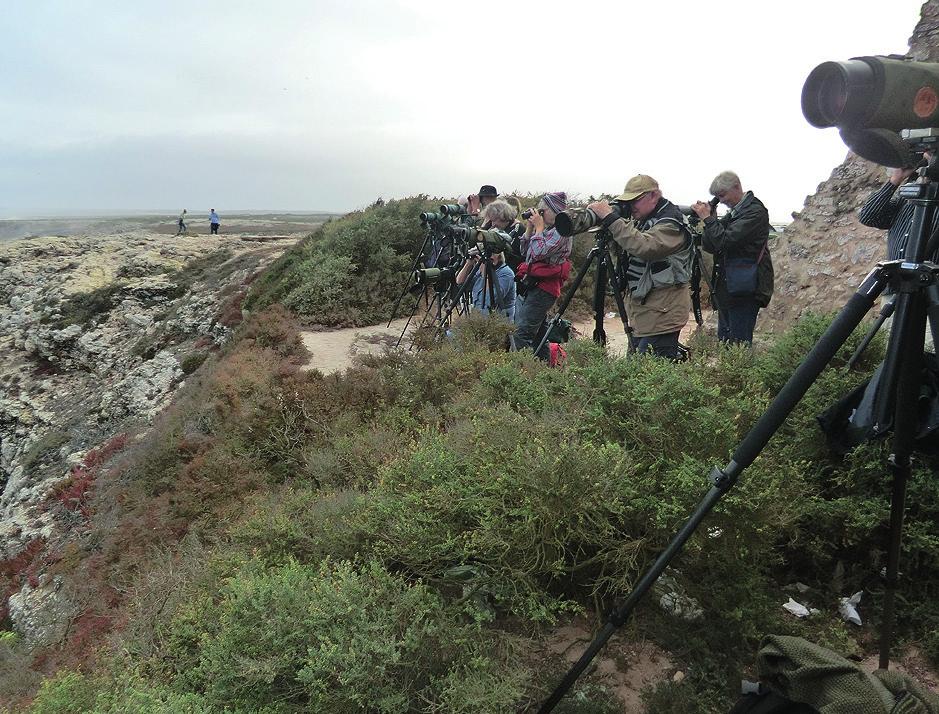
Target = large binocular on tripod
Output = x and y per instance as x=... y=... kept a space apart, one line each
x=874 y=102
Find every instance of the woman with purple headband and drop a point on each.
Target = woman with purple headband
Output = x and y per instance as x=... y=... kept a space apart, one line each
x=546 y=266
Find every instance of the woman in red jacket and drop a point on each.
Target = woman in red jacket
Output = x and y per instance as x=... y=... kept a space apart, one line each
x=546 y=266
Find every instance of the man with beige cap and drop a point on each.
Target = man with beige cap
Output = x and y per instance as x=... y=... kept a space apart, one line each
x=658 y=265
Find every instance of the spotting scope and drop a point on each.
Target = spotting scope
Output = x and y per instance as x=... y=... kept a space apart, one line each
x=872 y=100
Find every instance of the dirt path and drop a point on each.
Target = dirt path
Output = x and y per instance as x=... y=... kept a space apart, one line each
x=333 y=350
x=616 y=337
x=625 y=667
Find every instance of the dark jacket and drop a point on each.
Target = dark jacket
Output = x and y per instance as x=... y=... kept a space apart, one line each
x=741 y=234
x=885 y=208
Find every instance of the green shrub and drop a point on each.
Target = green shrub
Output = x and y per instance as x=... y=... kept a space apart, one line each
x=324 y=282
x=82 y=308
x=349 y=271
x=340 y=638
x=75 y=693
x=298 y=523
x=466 y=482
x=191 y=362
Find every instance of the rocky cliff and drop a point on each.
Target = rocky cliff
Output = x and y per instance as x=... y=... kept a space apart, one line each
x=96 y=334
x=825 y=253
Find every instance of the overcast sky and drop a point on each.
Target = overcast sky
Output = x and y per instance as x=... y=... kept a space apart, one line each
x=322 y=105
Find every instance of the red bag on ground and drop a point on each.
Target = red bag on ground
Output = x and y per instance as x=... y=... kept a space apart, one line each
x=557 y=354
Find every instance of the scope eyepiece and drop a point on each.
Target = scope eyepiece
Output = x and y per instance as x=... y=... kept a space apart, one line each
x=839 y=93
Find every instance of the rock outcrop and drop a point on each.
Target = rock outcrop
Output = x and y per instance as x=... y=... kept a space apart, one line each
x=96 y=334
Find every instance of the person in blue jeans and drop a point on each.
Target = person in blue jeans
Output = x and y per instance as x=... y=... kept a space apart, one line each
x=498 y=215
x=739 y=241
x=214 y=222
x=484 y=299
x=181 y=223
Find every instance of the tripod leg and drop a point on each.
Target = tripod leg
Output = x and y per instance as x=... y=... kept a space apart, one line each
x=599 y=300
x=618 y=295
x=885 y=312
x=909 y=334
x=569 y=296
x=407 y=324
x=423 y=321
x=417 y=261
x=724 y=479
x=461 y=295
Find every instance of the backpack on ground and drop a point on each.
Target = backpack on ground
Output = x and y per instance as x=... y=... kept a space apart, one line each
x=799 y=677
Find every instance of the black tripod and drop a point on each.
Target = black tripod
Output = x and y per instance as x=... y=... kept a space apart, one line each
x=606 y=273
x=439 y=309
x=916 y=283
x=428 y=236
x=492 y=298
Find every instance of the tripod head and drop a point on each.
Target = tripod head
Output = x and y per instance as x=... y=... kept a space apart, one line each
x=930 y=172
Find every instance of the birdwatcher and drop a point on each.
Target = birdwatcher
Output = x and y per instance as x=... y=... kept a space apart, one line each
x=214 y=222
x=885 y=209
x=657 y=255
x=545 y=268
x=478 y=201
x=742 y=279
x=181 y=223
x=499 y=215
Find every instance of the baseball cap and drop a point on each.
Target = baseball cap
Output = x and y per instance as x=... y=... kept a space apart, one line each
x=636 y=186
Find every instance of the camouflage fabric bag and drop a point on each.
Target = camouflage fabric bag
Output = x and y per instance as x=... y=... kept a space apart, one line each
x=803 y=677
x=560 y=331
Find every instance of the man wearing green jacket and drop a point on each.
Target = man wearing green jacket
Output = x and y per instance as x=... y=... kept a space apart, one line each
x=657 y=262
x=743 y=270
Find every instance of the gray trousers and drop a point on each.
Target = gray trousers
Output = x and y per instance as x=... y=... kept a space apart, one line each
x=530 y=323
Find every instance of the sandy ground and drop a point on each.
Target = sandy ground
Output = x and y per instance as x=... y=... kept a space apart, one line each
x=625 y=667
x=616 y=343
x=264 y=224
x=333 y=350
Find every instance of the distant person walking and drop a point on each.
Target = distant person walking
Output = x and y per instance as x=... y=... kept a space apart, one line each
x=214 y=222
x=182 y=223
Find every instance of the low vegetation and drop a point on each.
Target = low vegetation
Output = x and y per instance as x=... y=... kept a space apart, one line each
x=350 y=271
x=400 y=537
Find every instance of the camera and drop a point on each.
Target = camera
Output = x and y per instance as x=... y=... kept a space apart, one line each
x=436 y=277
x=466 y=234
x=579 y=220
x=452 y=209
x=431 y=217
x=872 y=100
x=693 y=218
